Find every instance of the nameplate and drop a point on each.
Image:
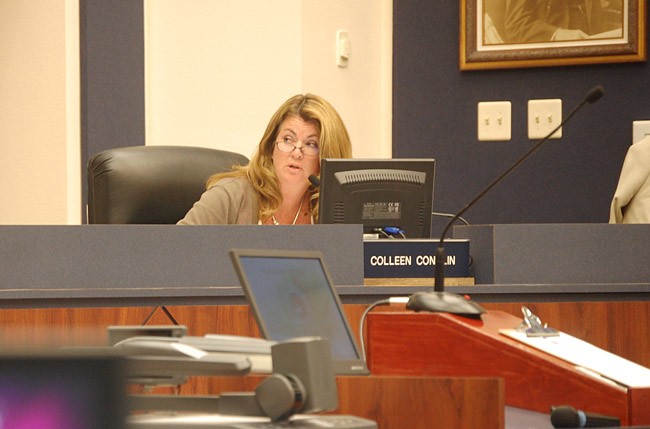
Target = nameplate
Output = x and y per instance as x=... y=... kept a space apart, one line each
x=413 y=258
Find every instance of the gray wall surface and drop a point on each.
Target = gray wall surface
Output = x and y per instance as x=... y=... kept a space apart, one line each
x=558 y=253
x=87 y=261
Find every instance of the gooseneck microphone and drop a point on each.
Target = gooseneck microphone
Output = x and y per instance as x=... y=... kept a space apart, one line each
x=592 y=96
x=568 y=417
x=315 y=181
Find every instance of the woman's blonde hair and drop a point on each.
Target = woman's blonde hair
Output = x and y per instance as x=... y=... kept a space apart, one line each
x=334 y=143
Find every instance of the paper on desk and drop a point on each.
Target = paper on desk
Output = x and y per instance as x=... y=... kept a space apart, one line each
x=586 y=355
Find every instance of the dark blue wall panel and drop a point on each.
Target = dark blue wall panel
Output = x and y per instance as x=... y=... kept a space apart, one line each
x=435 y=113
x=112 y=77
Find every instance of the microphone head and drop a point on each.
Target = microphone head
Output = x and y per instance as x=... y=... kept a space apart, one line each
x=566 y=417
x=594 y=94
x=315 y=181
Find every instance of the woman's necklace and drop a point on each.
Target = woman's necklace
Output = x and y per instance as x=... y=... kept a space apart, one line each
x=295 y=219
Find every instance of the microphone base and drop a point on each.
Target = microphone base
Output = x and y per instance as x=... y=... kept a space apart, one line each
x=444 y=302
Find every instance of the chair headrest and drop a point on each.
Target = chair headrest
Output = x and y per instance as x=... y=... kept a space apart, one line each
x=151 y=184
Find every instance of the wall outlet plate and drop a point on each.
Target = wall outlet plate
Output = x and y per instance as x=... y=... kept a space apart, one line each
x=543 y=117
x=494 y=120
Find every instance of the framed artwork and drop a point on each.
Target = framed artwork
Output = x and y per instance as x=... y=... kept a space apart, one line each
x=498 y=34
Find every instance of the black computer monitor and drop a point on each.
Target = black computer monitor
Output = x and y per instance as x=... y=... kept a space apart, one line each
x=42 y=389
x=391 y=197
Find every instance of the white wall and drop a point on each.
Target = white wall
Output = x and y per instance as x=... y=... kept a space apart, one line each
x=216 y=69
x=39 y=127
x=215 y=72
x=361 y=92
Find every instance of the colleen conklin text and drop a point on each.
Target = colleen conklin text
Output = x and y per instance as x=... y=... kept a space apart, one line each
x=423 y=260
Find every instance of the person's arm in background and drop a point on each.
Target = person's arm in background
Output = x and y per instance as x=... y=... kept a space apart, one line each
x=633 y=183
x=537 y=21
x=524 y=23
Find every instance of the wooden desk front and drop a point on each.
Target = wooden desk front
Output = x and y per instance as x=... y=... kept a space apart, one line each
x=621 y=327
x=392 y=401
x=436 y=344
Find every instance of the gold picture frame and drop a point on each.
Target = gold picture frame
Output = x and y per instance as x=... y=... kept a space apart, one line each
x=490 y=38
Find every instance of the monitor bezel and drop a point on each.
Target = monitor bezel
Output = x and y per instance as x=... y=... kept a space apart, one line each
x=356 y=366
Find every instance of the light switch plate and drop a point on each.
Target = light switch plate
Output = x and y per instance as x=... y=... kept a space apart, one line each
x=343 y=48
x=494 y=120
x=543 y=117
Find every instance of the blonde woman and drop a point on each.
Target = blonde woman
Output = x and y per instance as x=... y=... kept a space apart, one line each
x=274 y=188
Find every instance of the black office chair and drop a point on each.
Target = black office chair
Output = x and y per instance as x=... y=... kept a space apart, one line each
x=151 y=184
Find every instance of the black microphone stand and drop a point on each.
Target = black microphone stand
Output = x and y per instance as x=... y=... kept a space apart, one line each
x=439 y=285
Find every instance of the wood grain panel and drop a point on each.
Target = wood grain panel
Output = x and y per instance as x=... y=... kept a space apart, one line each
x=619 y=327
x=406 y=343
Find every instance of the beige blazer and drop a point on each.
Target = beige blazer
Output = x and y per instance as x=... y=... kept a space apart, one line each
x=230 y=201
x=631 y=203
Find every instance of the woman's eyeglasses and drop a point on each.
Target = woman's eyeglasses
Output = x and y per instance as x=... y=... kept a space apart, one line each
x=310 y=149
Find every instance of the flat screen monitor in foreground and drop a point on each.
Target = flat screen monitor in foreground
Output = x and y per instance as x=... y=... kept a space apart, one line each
x=61 y=391
x=389 y=197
